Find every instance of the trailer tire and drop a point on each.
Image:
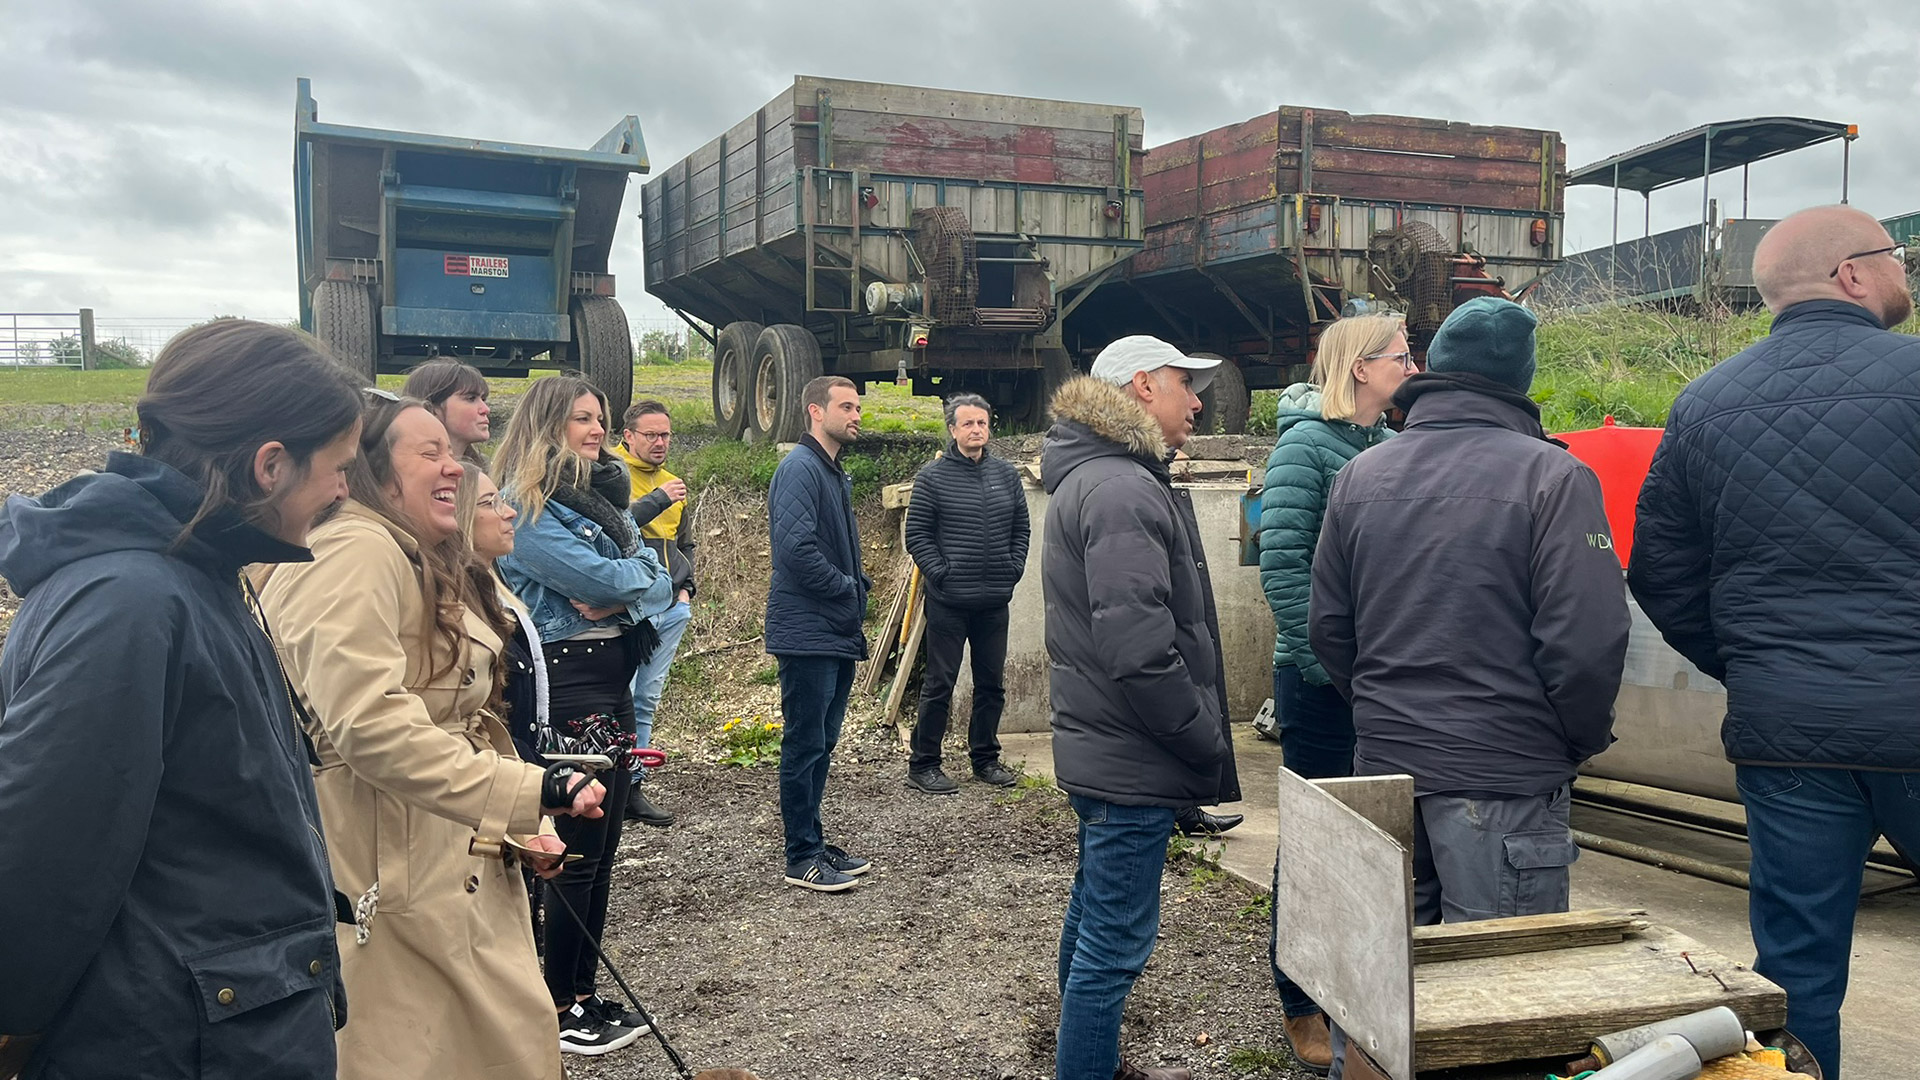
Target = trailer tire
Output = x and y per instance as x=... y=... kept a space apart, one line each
x=1225 y=403
x=785 y=359
x=602 y=350
x=1028 y=411
x=732 y=377
x=343 y=322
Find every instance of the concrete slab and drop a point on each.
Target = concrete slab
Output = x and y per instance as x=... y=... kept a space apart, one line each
x=1881 y=1025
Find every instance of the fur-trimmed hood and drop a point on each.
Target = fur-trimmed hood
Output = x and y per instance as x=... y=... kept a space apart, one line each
x=1095 y=419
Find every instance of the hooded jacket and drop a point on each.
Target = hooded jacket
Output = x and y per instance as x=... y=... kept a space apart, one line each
x=666 y=526
x=1309 y=452
x=1777 y=543
x=167 y=905
x=1467 y=598
x=967 y=529
x=1139 y=701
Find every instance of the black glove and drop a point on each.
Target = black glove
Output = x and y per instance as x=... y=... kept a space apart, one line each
x=558 y=787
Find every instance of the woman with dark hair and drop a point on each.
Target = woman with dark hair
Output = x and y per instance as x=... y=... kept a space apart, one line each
x=457 y=394
x=167 y=906
x=387 y=638
x=591 y=585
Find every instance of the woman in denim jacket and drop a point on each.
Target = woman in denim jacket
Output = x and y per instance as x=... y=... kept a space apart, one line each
x=591 y=585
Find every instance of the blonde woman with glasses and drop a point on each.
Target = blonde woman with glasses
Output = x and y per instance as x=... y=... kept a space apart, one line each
x=1322 y=425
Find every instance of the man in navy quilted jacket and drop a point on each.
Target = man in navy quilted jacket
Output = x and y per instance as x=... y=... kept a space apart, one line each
x=1778 y=549
x=815 y=604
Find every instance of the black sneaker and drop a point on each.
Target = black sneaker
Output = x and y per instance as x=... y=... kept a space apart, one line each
x=820 y=876
x=583 y=1032
x=616 y=1014
x=933 y=782
x=850 y=865
x=996 y=774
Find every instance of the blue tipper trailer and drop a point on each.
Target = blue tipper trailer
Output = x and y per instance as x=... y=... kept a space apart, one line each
x=413 y=246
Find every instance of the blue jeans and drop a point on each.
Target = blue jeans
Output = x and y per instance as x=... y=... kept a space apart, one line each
x=1810 y=830
x=1316 y=741
x=813 y=697
x=671 y=625
x=1113 y=916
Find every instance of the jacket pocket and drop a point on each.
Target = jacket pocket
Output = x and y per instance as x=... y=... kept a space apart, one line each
x=391 y=847
x=267 y=1001
x=1534 y=880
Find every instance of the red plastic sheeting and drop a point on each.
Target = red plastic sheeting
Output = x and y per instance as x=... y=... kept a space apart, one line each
x=1622 y=456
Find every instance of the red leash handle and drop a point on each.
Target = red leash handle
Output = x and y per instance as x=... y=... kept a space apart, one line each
x=649 y=757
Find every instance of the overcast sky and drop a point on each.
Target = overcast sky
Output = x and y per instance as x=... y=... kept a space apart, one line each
x=145 y=147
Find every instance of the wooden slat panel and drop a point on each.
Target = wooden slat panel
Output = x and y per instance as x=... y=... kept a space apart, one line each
x=1524 y=933
x=965 y=105
x=1332 y=128
x=854 y=127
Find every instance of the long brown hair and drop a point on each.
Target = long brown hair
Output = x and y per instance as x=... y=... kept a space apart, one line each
x=221 y=390
x=445 y=586
x=534 y=460
x=480 y=575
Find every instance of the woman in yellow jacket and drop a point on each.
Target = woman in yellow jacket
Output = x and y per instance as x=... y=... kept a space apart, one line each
x=419 y=785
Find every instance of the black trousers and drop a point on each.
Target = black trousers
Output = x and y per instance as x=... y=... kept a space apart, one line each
x=949 y=629
x=585 y=677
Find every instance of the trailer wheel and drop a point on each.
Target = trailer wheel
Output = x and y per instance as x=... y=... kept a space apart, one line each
x=785 y=359
x=732 y=376
x=1225 y=403
x=1028 y=409
x=602 y=350
x=343 y=321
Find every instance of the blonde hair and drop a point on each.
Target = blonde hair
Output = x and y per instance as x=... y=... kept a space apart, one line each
x=534 y=460
x=1341 y=343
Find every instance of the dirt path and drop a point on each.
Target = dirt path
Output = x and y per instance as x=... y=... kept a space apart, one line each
x=942 y=965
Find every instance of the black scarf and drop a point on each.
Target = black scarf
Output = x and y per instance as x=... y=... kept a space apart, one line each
x=604 y=502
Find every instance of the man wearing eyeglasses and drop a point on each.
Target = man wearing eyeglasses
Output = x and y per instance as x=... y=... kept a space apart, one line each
x=1778 y=548
x=660 y=509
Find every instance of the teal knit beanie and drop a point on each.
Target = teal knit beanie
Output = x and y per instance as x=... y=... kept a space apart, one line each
x=1487 y=336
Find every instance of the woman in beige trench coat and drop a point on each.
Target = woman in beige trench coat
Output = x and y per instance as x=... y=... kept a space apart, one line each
x=418 y=782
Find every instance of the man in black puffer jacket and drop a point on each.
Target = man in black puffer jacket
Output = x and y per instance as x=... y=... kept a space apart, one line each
x=967 y=530
x=1778 y=548
x=1139 y=699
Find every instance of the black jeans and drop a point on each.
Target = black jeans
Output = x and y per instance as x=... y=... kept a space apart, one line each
x=585 y=677
x=813 y=700
x=949 y=629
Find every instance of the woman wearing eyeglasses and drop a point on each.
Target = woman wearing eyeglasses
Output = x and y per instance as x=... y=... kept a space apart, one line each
x=398 y=658
x=1322 y=425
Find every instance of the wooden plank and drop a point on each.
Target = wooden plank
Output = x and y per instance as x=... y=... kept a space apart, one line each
x=1547 y=1004
x=883 y=646
x=896 y=496
x=966 y=105
x=1343 y=902
x=917 y=622
x=1524 y=933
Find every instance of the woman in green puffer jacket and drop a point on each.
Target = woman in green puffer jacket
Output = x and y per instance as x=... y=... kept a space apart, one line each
x=1322 y=425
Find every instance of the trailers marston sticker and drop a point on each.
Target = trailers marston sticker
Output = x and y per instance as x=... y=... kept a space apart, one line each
x=476 y=265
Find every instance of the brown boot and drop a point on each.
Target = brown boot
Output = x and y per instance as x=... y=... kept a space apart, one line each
x=1361 y=1067
x=1130 y=1071
x=1309 y=1038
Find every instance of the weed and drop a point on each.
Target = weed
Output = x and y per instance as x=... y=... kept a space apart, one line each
x=768 y=675
x=1258 y=1059
x=688 y=675
x=749 y=741
x=1204 y=859
x=1026 y=784
x=1259 y=909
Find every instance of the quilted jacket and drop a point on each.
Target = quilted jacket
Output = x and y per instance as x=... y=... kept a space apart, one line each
x=818 y=594
x=1138 y=696
x=1778 y=540
x=967 y=529
x=1310 y=451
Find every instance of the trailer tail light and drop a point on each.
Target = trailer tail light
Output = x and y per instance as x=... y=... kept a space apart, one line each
x=1539 y=231
x=1113 y=210
x=869 y=198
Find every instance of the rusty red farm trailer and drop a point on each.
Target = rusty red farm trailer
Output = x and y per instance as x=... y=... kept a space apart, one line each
x=892 y=233
x=1258 y=232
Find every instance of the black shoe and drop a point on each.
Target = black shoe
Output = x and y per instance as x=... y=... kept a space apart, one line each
x=615 y=1014
x=820 y=876
x=1194 y=821
x=643 y=811
x=996 y=774
x=850 y=865
x=582 y=1032
x=932 y=781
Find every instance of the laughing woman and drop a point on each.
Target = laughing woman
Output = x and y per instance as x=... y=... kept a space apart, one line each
x=420 y=788
x=591 y=585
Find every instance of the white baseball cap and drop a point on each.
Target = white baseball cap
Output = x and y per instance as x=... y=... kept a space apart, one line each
x=1141 y=352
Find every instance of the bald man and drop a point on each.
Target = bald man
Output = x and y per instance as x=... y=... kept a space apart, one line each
x=1778 y=548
